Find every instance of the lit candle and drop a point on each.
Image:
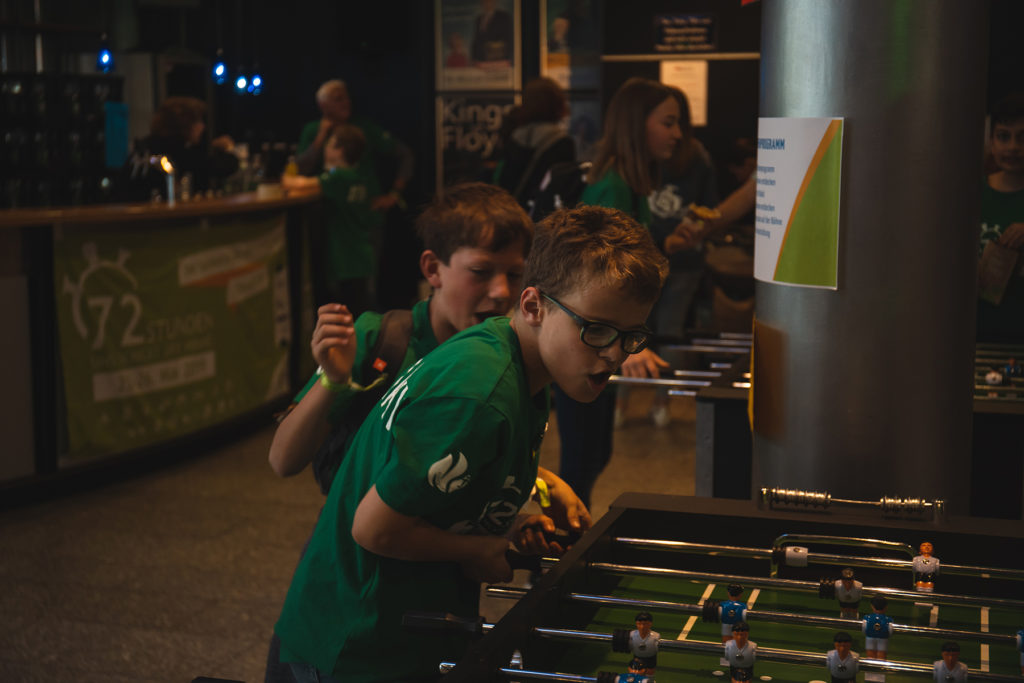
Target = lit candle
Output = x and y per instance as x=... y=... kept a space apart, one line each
x=165 y=164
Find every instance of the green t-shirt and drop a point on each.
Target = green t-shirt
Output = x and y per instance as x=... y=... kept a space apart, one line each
x=350 y=222
x=421 y=342
x=378 y=141
x=1005 y=322
x=612 y=191
x=455 y=441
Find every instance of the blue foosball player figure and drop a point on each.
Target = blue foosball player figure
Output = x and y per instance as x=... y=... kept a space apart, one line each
x=877 y=629
x=950 y=669
x=731 y=611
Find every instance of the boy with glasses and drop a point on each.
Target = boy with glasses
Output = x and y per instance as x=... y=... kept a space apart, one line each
x=428 y=495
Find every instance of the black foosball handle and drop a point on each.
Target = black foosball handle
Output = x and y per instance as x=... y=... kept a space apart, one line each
x=709 y=612
x=440 y=622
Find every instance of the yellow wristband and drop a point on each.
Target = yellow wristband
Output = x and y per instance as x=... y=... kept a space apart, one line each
x=333 y=387
x=542 y=493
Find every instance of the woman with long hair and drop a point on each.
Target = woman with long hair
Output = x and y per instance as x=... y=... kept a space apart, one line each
x=641 y=132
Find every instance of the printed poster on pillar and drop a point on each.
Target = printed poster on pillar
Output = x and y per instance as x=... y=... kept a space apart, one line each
x=476 y=44
x=798 y=181
x=164 y=332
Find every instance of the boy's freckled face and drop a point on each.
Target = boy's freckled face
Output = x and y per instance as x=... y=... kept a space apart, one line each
x=1008 y=146
x=579 y=370
x=478 y=283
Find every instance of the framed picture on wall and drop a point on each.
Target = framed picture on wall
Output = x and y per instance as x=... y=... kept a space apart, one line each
x=477 y=44
x=570 y=42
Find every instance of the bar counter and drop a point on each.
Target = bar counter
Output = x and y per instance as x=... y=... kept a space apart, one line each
x=134 y=329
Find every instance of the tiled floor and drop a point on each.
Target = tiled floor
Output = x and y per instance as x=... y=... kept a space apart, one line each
x=181 y=572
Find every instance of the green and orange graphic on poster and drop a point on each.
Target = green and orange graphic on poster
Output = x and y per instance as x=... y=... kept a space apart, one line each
x=169 y=328
x=798 y=181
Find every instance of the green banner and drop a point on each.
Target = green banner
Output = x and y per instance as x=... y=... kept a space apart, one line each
x=167 y=328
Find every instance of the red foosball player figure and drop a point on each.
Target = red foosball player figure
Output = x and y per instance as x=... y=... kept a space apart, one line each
x=643 y=643
x=848 y=592
x=950 y=669
x=740 y=653
x=926 y=568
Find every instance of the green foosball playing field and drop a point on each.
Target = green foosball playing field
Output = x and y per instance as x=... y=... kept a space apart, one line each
x=674 y=557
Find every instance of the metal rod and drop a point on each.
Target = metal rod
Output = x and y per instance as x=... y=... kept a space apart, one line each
x=527 y=674
x=768 y=654
x=707 y=348
x=696 y=373
x=658 y=381
x=817 y=558
x=791 y=618
x=802 y=586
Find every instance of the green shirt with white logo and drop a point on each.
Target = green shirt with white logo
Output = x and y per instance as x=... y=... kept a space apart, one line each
x=455 y=441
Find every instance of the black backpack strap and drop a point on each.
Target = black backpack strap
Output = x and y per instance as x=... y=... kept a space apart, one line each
x=389 y=351
x=379 y=369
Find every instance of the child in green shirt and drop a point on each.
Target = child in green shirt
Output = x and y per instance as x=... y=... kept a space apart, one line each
x=428 y=495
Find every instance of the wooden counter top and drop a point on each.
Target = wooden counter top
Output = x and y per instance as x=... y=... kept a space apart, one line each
x=122 y=213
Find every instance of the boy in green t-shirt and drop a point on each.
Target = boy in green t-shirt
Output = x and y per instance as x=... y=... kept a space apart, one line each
x=475 y=240
x=348 y=190
x=429 y=493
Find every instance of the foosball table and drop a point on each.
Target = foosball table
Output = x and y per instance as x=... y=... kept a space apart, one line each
x=674 y=557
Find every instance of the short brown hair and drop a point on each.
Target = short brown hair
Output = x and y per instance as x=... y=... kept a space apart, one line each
x=473 y=215
x=351 y=140
x=573 y=246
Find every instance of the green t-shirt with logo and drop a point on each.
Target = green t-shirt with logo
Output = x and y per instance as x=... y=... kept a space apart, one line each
x=611 y=191
x=350 y=222
x=1005 y=322
x=455 y=442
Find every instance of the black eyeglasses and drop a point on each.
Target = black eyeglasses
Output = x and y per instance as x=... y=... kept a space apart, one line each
x=602 y=335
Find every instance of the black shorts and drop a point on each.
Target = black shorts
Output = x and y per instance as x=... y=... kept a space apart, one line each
x=741 y=674
x=926 y=578
x=644 y=662
x=853 y=604
x=843 y=680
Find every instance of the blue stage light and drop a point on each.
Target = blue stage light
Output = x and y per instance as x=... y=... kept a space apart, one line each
x=220 y=69
x=256 y=84
x=104 y=58
x=241 y=83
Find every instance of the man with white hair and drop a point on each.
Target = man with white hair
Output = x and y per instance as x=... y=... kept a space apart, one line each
x=336 y=108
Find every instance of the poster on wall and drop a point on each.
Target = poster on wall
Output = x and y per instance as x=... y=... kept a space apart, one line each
x=468 y=135
x=690 y=76
x=798 y=182
x=476 y=43
x=165 y=331
x=570 y=42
